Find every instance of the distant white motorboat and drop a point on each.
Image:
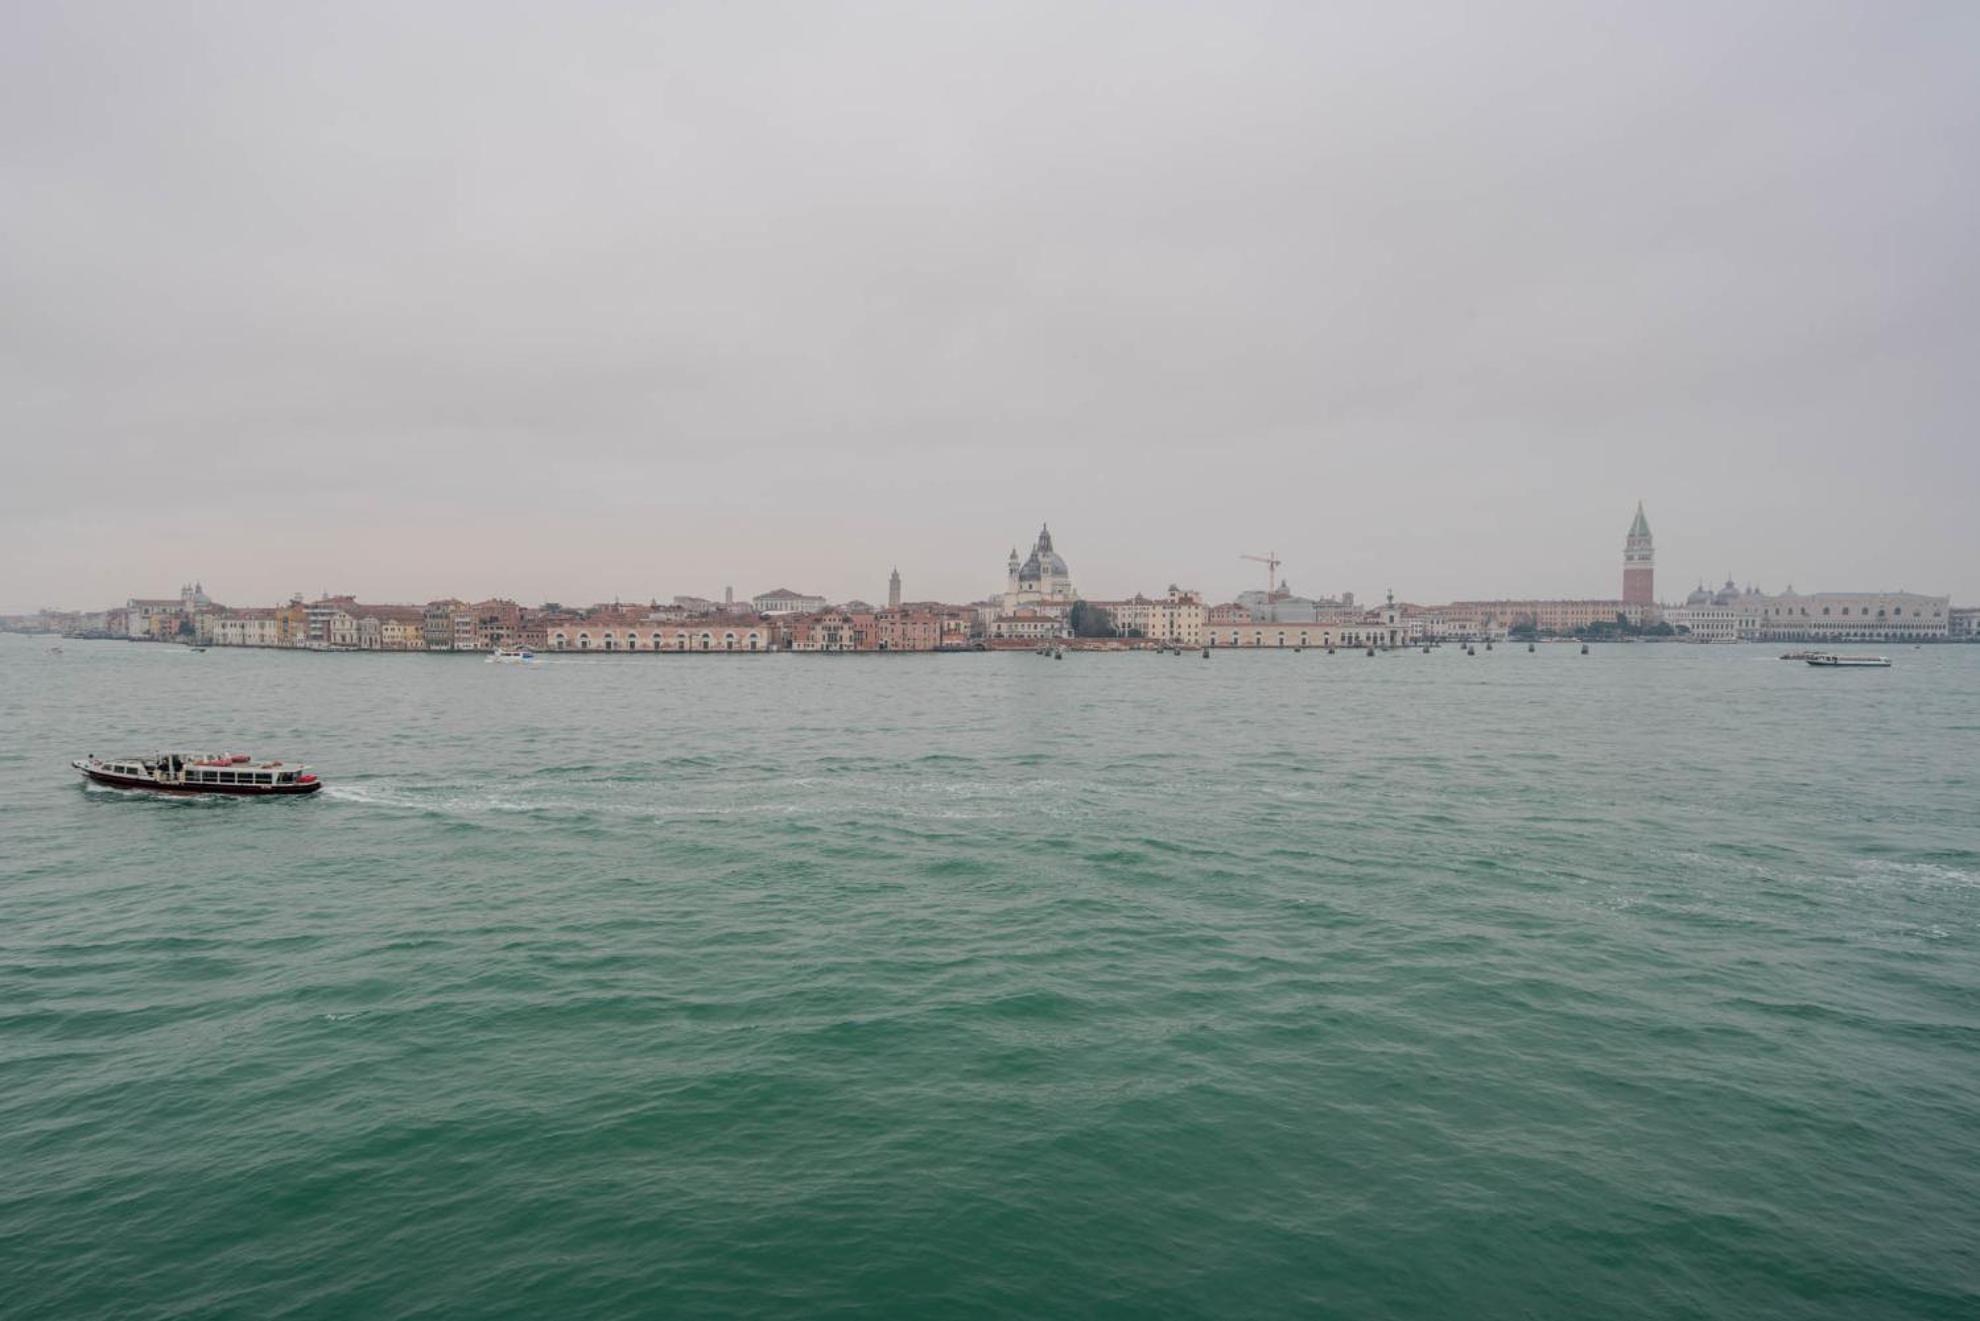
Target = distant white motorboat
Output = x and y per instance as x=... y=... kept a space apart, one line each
x=519 y=656
x=1850 y=662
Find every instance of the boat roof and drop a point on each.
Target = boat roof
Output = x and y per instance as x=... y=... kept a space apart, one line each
x=227 y=757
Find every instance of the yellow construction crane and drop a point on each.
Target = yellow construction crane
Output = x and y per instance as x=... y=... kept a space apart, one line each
x=1270 y=559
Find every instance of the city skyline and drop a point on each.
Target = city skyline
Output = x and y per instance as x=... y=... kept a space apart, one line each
x=1671 y=587
x=1418 y=297
x=1038 y=606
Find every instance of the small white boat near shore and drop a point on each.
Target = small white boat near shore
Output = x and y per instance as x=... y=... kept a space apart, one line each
x=1834 y=662
x=507 y=656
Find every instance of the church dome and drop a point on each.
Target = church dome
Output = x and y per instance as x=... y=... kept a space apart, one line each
x=1044 y=561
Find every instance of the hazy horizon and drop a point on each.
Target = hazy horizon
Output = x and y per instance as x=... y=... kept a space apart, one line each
x=578 y=303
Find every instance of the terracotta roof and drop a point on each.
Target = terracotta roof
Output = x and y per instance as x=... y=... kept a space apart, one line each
x=404 y=614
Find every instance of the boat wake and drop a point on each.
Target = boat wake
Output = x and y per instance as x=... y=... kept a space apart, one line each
x=1916 y=873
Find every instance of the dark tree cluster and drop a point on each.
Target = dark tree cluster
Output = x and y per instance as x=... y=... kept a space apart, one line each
x=1090 y=621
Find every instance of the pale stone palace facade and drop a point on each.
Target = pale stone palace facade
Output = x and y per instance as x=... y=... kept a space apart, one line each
x=1846 y=617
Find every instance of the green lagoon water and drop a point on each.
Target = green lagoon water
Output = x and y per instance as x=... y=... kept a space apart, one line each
x=1641 y=984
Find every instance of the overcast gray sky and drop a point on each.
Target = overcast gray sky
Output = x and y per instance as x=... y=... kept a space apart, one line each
x=572 y=301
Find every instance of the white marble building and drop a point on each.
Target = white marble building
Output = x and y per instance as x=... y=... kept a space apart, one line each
x=1847 y=616
x=1042 y=581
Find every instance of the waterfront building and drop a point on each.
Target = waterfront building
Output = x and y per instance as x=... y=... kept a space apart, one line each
x=1553 y=617
x=1709 y=616
x=188 y=616
x=1027 y=624
x=380 y=627
x=291 y=623
x=830 y=630
x=751 y=634
x=1463 y=622
x=1710 y=622
x=247 y=627
x=784 y=601
x=1963 y=623
x=624 y=633
x=1385 y=628
x=1042 y=581
x=1177 y=618
x=1639 y=564
x=1038 y=595
x=908 y=630
x=401 y=627
x=329 y=622
x=1283 y=606
x=498 y=621
x=1427 y=623
x=1847 y=617
x=1129 y=616
x=153 y=617
x=1223 y=616
x=438 y=623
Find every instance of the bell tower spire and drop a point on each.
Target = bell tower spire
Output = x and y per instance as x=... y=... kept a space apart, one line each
x=1639 y=563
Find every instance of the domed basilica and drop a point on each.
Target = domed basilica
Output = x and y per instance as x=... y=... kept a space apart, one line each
x=1042 y=581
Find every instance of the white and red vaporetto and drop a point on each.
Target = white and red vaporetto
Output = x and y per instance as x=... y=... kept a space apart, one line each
x=234 y=774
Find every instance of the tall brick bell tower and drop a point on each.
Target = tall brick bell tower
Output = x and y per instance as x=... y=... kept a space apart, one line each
x=1639 y=563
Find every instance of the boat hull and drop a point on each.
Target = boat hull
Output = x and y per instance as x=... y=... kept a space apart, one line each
x=141 y=784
